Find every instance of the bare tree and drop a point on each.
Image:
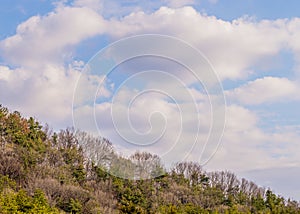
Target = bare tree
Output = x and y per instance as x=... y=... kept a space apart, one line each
x=192 y=171
x=147 y=165
x=96 y=149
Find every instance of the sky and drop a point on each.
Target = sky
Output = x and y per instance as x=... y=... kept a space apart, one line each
x=55 y=57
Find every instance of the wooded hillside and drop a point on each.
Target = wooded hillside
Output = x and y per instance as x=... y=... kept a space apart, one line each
x=67 y=172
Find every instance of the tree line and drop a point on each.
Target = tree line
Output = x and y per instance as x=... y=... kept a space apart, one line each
x=70 y=171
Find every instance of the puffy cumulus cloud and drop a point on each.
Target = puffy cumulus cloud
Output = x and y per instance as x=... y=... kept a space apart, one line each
x=46 y=95
x=245 y=146
x=240 y=119
x=45 y=38
x=44 y=75
x=240 y=142
x=150 y=119
x=178 y=130
x=234 y=48
x=265 y=90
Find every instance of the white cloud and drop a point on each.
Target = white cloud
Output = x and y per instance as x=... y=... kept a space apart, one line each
x=233 y=48
x=142 y=118
x=43 y=82
x=47 y=38
x=43 y=95
x=245 y=146
x=265 y=90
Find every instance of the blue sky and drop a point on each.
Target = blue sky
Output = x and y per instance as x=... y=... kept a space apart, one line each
x=231 y=9
x=253 y=46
